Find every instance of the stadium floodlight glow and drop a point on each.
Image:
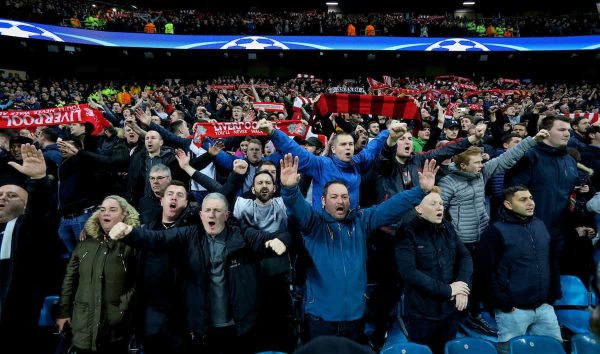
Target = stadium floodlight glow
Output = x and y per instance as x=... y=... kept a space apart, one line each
x=468 y=3
x=93 y=5
x=135 y=7
x=114 y=9
x=332 y=3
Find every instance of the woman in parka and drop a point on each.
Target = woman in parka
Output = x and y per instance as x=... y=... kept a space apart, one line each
x=99 y=283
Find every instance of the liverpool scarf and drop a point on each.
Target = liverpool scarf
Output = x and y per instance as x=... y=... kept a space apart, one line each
x=248 y=128
x=80 y=113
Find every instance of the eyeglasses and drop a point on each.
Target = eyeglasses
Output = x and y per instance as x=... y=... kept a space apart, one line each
x=158 y=178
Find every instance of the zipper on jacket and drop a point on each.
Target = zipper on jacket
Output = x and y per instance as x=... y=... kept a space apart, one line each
x=82 y=257
x=537 y=264
x=123 y=261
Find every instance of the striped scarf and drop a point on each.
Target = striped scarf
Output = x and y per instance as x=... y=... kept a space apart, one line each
x=388 y=106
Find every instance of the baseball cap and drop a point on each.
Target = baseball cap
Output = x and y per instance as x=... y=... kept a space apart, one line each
x=314 y=141
x=449 y=123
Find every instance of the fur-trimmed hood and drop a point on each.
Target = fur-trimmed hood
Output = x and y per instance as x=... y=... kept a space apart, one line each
x=132 y=218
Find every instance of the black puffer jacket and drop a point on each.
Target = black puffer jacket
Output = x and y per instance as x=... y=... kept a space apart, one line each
x=516 y=264
x=430 y=257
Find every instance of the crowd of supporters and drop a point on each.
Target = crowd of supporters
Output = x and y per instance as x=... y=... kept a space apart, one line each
x=193 y=21
x=477 y=201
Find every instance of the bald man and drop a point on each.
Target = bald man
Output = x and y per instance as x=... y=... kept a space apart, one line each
x=21 y=211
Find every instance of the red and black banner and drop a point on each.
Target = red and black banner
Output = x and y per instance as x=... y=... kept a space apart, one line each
x=389 y=106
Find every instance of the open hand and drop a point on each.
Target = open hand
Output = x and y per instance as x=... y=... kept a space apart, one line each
x=289 y=176
x=182 y=158
x=34 y=165
x=427 y=176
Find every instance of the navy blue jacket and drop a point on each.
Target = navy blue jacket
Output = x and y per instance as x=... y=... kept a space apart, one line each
x=551 y=175
x=577 y=141
x=429 y=258
x=517 y=265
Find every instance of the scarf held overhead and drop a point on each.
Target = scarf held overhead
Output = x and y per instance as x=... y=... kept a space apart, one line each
x=389 y=106
x=81 y=113
x=249 y=128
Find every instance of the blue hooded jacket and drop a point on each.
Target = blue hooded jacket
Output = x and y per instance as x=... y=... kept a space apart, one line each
x=323 y=169
x=336 y=279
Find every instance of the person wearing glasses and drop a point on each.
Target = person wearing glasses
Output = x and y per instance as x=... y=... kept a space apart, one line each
x=149 y=206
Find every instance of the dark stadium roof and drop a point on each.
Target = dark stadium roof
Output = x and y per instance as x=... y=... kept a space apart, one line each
x=430 y=6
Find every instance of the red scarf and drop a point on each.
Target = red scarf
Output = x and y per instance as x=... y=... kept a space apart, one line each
x=389 y=106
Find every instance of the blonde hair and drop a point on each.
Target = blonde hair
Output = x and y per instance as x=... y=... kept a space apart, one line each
x=436 y=189
x=132 y=217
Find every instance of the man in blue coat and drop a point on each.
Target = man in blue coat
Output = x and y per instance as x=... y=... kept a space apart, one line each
x=342 y=164
x=335 y=239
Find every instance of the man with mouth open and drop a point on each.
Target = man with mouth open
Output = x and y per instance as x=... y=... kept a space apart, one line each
x=220 y=260
x=159 y=285
x=335 y=239
x=341 y=165
x=436 y=268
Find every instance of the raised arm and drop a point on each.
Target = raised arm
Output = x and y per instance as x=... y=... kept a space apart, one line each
x=34 y=167
x=369 y=154
x=170 y=138
x=146 y=239
x=297 y=206
x=390 y=211
x=511 y=156
x=308 y=163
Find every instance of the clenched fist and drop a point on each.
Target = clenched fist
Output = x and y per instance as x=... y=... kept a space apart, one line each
x=119 y=231
x=276 y=245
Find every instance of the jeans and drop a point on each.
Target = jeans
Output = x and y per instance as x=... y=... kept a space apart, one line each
x=433 y=333
x=70 y=228
x=538 y=322
x=316 y=326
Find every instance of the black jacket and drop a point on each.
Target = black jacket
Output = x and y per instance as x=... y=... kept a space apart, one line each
x=139 y=172
x=429 y=258
x=21 y=293
x=392 y=176
x=517 y=265
x=160 y=308
x=244 y=248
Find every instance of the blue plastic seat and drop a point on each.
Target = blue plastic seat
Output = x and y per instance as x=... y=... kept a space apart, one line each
x=407 y=348
x=468 y=345
x=46 y=318
x=584 y=344
x=535 y=345
x=577 y=321
x=574 y=292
